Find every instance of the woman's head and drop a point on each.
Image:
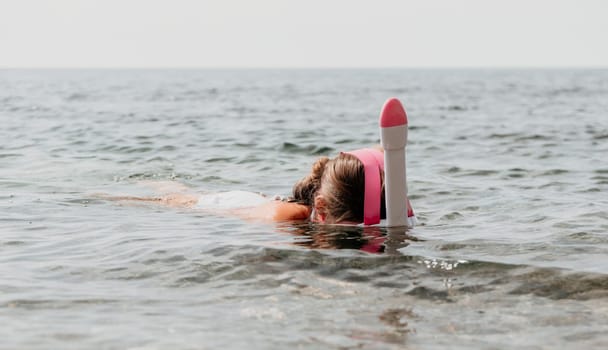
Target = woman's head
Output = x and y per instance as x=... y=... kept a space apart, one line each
x=304 y=190
x=335 y=190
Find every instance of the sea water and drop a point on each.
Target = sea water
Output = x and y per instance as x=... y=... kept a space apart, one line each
x=507 y=170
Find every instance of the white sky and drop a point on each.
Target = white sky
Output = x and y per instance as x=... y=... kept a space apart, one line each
x=306 y=33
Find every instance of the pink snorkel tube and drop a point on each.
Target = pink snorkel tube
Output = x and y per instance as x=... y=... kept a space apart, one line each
x=393 y=132
x=393 y=135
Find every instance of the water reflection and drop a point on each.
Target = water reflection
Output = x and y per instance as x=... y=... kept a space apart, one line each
x=371 y=239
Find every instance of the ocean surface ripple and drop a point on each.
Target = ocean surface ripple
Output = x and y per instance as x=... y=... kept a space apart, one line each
x=507 y=173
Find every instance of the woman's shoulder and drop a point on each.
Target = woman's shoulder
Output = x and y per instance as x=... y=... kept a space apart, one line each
x=287 y=211
x=268 y=209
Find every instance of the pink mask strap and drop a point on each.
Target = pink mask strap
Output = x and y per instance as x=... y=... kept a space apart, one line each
x=379 y=156
x=380 y=159
x=373 y=188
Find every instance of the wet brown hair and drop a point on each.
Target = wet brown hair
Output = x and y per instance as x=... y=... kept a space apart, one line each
x=341 y=182
x=304 y=190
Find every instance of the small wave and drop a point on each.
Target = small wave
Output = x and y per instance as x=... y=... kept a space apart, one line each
x=503 y=136
x=220 y=159
x=553 y=284
x=36 y=304
x=553 y=184
x=451 y=216
x=14 y=184
x=155 y=176
x=167 y=148
x=13 y=243
x=454 y=108
x=575 y=90
x=123 y=149
x=77 y=97
x=345 y=141
x=311 y=149
x=534 y=137
x=157 y=159
x=596 y=214
x=587 y=237
x=591 y=189
x=423 y=292
x=473 y=172
x=482 y=172
x=516 y=175
x=554 y=172
x=10 y=155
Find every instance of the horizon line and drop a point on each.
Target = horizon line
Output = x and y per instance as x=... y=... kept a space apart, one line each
x=126 y=67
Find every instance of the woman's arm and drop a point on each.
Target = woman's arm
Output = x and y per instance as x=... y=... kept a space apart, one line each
x=269 y=211
x=174 y=200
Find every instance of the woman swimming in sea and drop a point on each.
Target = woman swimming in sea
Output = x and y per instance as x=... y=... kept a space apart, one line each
x=348 y=189
x=332 y=193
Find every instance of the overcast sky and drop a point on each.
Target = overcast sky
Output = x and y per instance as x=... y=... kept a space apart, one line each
x=306 y=33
